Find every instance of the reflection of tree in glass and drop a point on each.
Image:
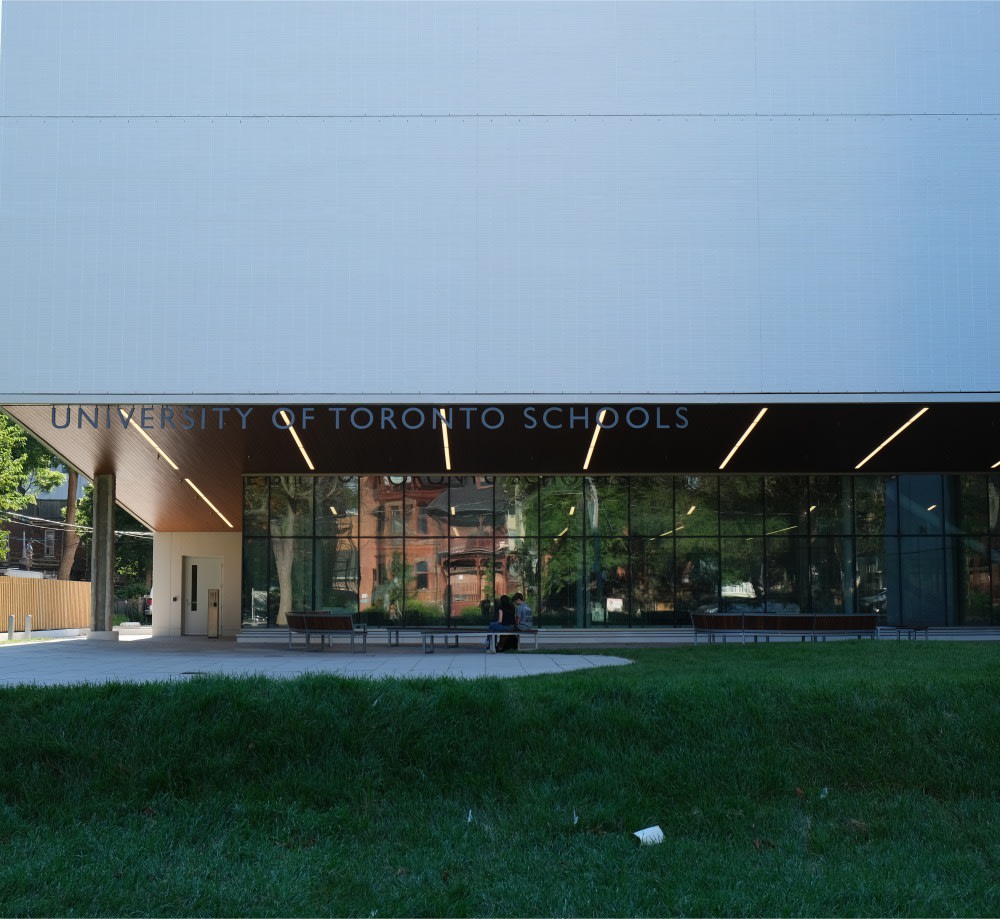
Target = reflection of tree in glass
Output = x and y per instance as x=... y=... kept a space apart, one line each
x=291 y=515
x=391 y=596
x=337 y=524
x=255 y=506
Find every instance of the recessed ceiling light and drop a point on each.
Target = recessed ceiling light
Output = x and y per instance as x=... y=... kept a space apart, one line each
x=746 y=434
x=201 y=495
x=783 y=530
x=444 y=439
x=593 y=440
x=892 y=437
x=295 y=437
x=129 y=422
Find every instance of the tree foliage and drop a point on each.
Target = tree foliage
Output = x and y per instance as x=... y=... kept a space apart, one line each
x=133 y=554
x=26 y=469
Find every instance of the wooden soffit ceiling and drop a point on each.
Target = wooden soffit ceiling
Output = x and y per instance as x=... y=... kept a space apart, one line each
x=214 y=446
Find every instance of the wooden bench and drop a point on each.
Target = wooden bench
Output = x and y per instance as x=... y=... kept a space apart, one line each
x=392 y=632
x=327 y=624
x=807 y=626
x=429 y=634
x=909 y=632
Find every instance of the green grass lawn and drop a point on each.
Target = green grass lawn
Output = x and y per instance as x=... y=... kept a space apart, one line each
x=846 y=778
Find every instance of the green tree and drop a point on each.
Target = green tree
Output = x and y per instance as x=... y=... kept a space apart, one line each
x=133 y=553
x=26 y=468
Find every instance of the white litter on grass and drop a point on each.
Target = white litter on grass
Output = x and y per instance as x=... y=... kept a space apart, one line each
x=824 y=792
x=576 y=819
x=469 y=820
x=650 y=836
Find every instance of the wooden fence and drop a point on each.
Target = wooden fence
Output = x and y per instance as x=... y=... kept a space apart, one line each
x=52 y=604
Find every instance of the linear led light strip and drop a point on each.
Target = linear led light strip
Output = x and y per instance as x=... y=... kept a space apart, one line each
x=669 y=532
x=156 y=447
x=295 y=437
x=746 y=434
x=593 y=440
x=996 y=465
x=201 y=495
x=794 y=526
x=129 y=423
x=444 y=439
x=892 y=437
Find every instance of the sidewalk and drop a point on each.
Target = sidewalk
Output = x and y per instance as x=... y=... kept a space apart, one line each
x=76 y=660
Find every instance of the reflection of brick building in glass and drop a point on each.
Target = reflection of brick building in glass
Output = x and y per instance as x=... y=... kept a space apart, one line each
x=37 y=537
x=430 y=552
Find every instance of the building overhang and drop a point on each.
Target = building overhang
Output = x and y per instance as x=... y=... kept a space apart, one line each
x=174 y=463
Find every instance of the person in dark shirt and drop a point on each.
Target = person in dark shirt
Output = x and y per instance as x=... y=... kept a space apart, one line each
x=506 y=621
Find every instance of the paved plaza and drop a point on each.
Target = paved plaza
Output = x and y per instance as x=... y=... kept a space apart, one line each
x=78 y=660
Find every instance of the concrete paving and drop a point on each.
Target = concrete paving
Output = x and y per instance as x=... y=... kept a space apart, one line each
x=78 y=660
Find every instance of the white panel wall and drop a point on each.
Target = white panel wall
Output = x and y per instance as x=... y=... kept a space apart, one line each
x=397 y=200
x=169 y=550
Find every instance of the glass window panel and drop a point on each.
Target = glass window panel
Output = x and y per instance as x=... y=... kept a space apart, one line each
x=831 y=574
x=562 y=583
x=291 y=505
x=873 y=579
x=920 y=505
x=743 y=569
x=741 y=508
x=469 y=505
x=605 y=500
x=697 y=574
x=607 y=582
x=337 y=574
x=993 y=503
x=969 y=502
x=381 y=511
x=561 y=506
x=786 y=565
x=516 y=499
x=255 y=500
x=255 y=582
x=652 y=582
x=870 y=501
x=994 y=565
x=923 y=595
x=381 y=581
x=337 y=506
x=786 y=503
x=831 y=505
x=652 y=505
x=470 y=571
x=291 y=577
x=696 y=506
x=429 y=507
x=517 y=569
x=973 y=580
x=427 y=605
x=421 y=569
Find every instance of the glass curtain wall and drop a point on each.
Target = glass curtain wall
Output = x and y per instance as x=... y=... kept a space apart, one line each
x=622 y=551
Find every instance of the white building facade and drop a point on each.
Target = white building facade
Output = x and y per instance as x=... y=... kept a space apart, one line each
x=363 y=222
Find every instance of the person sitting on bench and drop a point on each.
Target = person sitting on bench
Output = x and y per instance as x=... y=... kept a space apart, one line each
x=506 y=621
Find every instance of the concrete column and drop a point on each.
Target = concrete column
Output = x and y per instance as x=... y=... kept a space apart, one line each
x=102 y=573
